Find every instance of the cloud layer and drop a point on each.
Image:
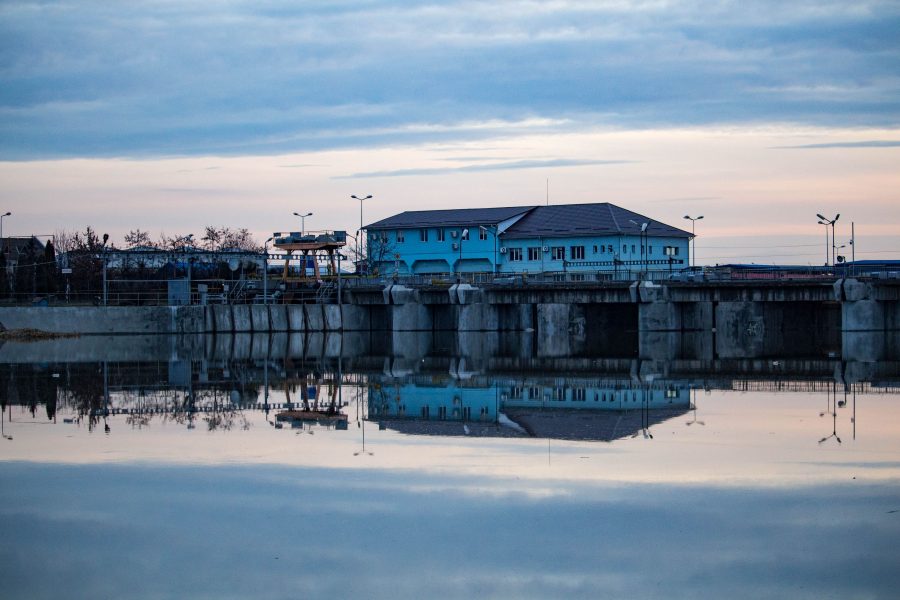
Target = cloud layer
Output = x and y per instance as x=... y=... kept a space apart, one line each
x=158 y=78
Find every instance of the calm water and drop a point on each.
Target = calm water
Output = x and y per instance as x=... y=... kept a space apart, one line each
x=284 y=467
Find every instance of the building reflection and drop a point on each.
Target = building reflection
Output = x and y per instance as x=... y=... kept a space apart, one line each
x=578 y=408
x=211 y=383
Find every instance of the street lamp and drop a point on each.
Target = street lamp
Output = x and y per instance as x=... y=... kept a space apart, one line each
x=826 y=222
x=493 y=233
x=302 y=221
x=2 y=243
x=105 y=295
x=463 y=235
x=643 y=238
x=693 y=221
x=266 y=271
x=359 y=242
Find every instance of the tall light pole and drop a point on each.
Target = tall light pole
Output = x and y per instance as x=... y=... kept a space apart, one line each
x=644 y=265
x=2 y=244
x=493 y=233
x=359 y=242
x=826 y=222
x=693 y=221
x=302 y=221
x=266 y=269
x=105 y=294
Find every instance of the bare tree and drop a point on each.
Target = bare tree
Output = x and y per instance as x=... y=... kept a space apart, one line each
x=137 y=238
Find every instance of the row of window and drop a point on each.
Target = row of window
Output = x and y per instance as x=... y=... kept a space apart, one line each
x=576 y=252
x=580 y=394
x=534 y=252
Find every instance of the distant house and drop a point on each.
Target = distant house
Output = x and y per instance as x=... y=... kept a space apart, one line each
x=571 y=238
x=17 y=248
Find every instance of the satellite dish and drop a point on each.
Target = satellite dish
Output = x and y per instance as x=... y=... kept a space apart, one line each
x=234 y=264
x=841 y=259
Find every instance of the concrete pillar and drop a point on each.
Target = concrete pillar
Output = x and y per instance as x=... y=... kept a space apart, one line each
x=315 y=317
x=740 y=329
x=552 y=330
x=278 y=317
x=259 y=318
x=410 y=317
x=331 y=314
x=296 y=317
x=863 y=323
x=477 y=317
x=240 y=314
x=222 y=317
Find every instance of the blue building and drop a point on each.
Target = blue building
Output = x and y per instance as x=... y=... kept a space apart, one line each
x=601 y=239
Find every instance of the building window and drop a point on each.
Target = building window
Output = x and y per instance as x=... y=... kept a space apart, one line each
x=515 y=254
x=515 y=393
x=440 y=233
x=576 y=252
x=624 y=249
x=633 y=251
x=609 y=248
x=534 y=253
x=384 y=237
x=595 y=249
x=534 y=393
x=464 y=234
x=670 y=251
x=579 y=395
x=442 y=413
x=558 y=253
x=425 y=411
x=423 y=235
x=482 y=233
x=649 y=249
x=400 y=238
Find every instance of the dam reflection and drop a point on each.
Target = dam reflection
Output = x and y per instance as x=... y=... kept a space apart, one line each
x=211 y=381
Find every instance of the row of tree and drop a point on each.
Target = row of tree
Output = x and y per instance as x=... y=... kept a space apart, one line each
x=37 y=273
x=213 y=239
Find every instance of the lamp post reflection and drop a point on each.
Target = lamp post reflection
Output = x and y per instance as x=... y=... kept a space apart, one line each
x=361 y=418
x=831 y=410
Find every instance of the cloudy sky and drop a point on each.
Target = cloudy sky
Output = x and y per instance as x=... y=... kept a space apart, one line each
x=168 y=116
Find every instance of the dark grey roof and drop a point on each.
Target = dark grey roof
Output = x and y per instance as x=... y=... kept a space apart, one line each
x=449 y=218
x=567 y=220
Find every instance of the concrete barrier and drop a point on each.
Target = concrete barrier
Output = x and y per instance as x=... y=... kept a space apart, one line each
x=315 y=317
x=243 y=321
x=296 y=317
x=331 y=314
x=278 y=317
x=259 y=318
x=222 y=318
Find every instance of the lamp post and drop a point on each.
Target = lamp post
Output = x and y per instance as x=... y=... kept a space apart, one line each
x=643 y=238
x=105 y=296
x=693 y=221
x=302 y=221
x=3 y=216
x=463 y=235
x=493 y=233
x=359 y=242
x=266 y=269
x=826 y=222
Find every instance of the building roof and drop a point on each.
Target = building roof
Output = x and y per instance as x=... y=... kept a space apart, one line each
x=14 y=247
x=566 y=220
x=449 y=218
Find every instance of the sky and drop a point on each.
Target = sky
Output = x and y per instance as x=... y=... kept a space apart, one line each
x=169 y=116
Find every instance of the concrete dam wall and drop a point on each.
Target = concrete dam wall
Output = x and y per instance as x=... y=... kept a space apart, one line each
x=712 y=320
